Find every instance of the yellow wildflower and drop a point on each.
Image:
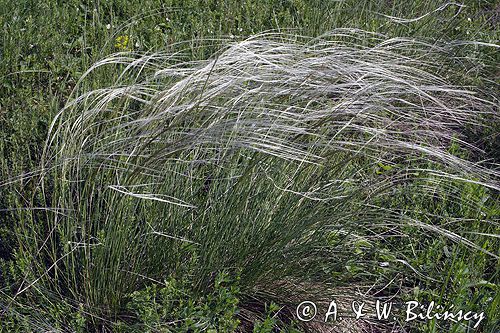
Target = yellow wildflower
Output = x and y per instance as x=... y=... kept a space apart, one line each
x=121 y=42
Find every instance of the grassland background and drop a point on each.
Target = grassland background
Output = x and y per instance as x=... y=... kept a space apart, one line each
x=45 y=46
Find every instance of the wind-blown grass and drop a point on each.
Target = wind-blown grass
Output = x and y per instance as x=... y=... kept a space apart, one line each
x=273 y=160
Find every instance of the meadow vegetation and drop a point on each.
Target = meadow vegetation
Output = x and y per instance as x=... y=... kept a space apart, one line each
x=205 y=166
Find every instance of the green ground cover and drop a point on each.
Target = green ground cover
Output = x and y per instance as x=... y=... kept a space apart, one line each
x=45 y=48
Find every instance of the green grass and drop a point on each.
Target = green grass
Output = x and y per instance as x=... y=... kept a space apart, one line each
x=235 y=272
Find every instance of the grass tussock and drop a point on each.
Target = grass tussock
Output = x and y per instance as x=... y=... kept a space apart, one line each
x=274 y=164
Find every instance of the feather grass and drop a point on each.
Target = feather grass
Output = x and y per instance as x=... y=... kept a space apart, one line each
x=261 y=160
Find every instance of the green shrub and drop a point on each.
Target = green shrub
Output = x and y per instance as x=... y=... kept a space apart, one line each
x=174 y=308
